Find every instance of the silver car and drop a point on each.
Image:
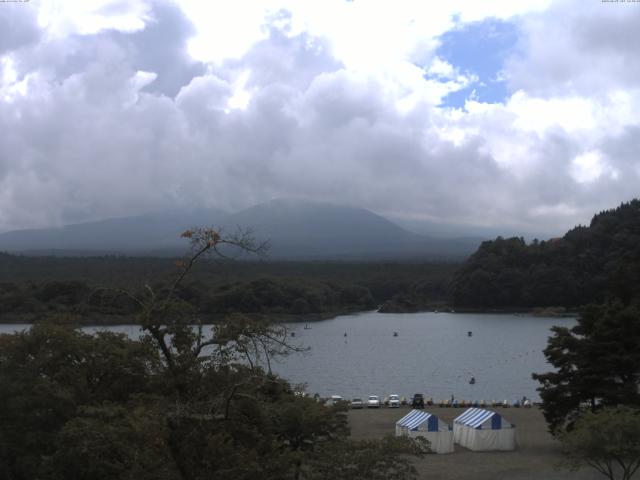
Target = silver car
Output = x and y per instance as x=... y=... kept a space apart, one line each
x=373 y=401
x=394 y=401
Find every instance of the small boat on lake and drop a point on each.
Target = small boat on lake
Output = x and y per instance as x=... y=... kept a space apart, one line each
x=395 y=334
x=472 y=381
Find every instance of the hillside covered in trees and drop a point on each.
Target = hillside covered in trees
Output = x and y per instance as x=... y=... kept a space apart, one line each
x=587 y=265
x=85 y=288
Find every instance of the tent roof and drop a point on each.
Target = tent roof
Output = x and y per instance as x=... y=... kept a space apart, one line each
x=474 y=417
x=413 y=419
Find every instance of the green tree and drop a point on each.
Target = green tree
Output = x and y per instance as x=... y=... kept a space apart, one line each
x=597 y=364
x=608 y=441
x=47 y=374
x=367 y=459
x=180 y=403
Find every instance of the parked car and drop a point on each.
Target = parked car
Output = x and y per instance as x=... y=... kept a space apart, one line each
x=418 y=401
x=357 y=403
x=373 y=401
x=333 y=400
x=394 y=401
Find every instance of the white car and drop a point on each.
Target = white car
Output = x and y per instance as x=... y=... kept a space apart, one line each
x=333 y=400
x=394 y=401
x=373 y=401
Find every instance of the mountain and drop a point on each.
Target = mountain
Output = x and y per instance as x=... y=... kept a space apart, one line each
x=588 y=264
x=314 y=230
x=296 y=230
x=143 y=234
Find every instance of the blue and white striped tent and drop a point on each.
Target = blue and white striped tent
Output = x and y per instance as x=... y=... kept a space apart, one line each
x=480 y=429
x=424 y=424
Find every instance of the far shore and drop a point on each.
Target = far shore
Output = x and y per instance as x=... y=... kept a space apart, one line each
x=100 y=320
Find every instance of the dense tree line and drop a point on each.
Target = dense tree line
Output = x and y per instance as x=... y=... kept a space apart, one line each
x=262 y=296
x=87 y=287
x=589 y=264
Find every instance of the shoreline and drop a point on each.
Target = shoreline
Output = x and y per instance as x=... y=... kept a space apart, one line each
x=98 y=320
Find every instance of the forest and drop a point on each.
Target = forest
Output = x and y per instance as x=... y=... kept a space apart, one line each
x=68 y=398
x=183 y=402
x=87 y=289
x=589 y=264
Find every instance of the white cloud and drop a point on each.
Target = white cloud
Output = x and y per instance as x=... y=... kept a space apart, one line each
x=65 y=17
x=100 y=116
x=588 y=167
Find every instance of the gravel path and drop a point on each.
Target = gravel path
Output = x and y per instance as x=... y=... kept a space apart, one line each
x=538 y=455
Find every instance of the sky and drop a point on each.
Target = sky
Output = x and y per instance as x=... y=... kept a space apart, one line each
x=522 y=116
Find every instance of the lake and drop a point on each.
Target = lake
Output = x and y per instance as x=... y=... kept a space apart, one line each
x=432 y=354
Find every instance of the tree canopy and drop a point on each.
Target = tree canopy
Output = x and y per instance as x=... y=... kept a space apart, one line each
x=608 y=441
x=588 y=264
x=597 y=364
x=182 y=402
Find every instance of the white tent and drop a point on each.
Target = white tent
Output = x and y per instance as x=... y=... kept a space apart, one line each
x=479 y=429
x=423 y=424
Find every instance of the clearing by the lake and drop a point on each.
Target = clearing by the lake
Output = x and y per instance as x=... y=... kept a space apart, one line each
x=538 y=455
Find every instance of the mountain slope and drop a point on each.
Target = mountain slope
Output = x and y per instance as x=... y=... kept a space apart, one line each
x=296 y=230
x=302 y=229
x=139 y=234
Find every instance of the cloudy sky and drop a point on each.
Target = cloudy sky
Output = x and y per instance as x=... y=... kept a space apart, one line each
x=523 y=115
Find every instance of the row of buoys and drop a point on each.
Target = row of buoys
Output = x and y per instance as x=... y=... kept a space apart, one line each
x=395 y=334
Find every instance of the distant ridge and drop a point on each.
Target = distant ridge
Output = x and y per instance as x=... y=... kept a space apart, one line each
x=296 y=229
x=142 y=234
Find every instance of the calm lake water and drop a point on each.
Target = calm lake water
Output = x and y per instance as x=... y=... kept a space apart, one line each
x=432 y=354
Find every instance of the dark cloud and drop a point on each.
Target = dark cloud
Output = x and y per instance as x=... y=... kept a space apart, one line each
x=161 y=47
x=285 y=59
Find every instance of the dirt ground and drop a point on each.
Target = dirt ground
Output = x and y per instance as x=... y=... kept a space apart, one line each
x=538 y=455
